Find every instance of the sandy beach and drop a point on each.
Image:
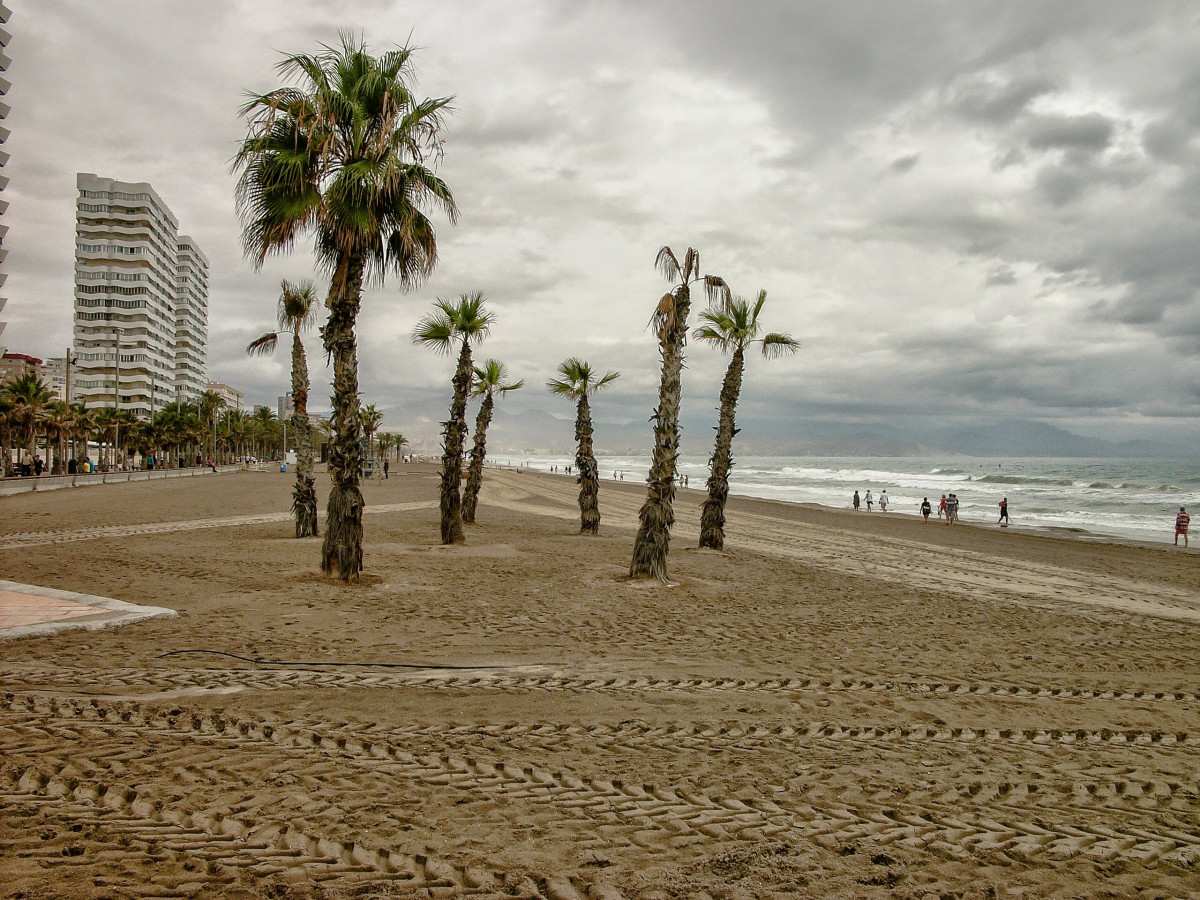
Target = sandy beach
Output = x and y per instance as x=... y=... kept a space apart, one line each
x=839 y=705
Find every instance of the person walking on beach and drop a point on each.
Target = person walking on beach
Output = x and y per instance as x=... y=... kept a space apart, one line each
x=926 y=509
x=951 y=509
x=1003 y=513
x=869 y=499
x=856 y=501
x=1181 y=526
x=386 y=469
x=883 y=500
x=942 y=507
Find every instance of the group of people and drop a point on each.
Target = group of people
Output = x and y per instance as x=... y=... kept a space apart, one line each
x=869 y=500
x=947 y=508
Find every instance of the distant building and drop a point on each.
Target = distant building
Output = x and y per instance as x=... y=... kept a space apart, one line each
x=52 y=372
x=232 y=396
x=4 y=132
x=14 y=365
x=141 y=300
x=286 y=406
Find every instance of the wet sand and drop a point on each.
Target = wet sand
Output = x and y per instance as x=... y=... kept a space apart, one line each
x=839 y=705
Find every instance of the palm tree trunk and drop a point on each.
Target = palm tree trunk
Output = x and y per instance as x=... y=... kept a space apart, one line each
x=657 y=515
x=341 y=551
x=455 y=437
x=478 y=454
x=589 y=477
x=60 y=453
x=6 y=442
x=712 y=514
x=304 y=493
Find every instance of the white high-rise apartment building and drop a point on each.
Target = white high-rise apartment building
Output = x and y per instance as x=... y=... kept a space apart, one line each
x=141 y=300
x=191 y=320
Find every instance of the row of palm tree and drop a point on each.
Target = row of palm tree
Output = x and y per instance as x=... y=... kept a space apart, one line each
x=389 y=442
x=731 y=325
x=454 y=325
x=32 y=420
x=344 y=152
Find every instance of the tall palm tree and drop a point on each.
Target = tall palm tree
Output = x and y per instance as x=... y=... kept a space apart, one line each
x=576 y=381
x=731 y=330
x=30 y=397
x=297 y=312
x=657 y=515
x=343 y=155
x=371 y=419
x=465 y=322
x=489 y=381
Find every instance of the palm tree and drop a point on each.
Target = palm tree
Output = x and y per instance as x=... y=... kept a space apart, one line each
x=343 y=155
x=489 y=381
x=731 y=330
x=207 y=406
x=59 y=420
x=371 y=419
x=466 y=322
x=265 y=425
x=6 y=430
x=657 y=515
x=296 y=314
x=577 y=383
x=391 y=440
x=85 y=427
x=29 y=396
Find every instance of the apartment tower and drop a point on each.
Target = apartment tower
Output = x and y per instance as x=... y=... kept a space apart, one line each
x=141 y=301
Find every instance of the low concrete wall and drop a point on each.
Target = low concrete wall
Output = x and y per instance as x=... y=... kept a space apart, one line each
x=31 y=483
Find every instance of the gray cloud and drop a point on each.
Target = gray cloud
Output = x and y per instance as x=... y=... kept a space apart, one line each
x=1090 y=132
x=999 y=103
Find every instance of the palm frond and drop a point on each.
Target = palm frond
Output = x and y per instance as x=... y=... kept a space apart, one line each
x=717 y=291
x=264 y=345
x=666 y=263
x=775 y=345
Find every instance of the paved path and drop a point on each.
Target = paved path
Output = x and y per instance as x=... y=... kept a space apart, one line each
x=27 y=610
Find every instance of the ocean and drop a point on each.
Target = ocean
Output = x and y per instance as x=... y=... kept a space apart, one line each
x=1126 y=498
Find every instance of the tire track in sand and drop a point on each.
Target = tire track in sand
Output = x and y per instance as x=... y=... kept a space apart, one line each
x=612 y=814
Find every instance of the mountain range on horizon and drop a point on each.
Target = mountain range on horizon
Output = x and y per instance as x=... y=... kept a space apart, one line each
x=536 y=431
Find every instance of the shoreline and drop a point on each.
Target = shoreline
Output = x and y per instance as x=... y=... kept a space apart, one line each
x=1063 y=532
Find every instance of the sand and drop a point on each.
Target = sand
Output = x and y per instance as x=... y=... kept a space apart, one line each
x=839 y=705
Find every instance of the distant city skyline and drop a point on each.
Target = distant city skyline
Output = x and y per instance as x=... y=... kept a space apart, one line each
x=960 y=231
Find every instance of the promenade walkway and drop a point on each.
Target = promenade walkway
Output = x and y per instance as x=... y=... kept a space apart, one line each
x=27 y=610
x=28 y=483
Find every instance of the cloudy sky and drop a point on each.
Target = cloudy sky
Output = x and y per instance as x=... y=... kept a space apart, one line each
x=965 y=211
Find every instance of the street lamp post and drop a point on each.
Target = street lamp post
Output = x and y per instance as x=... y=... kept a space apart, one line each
x=116 y=395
